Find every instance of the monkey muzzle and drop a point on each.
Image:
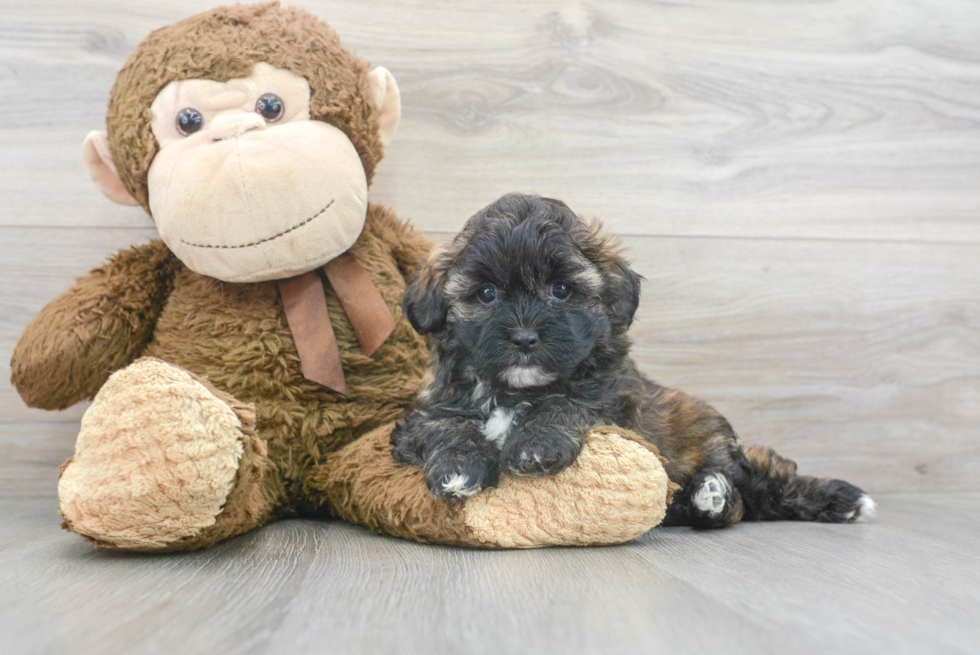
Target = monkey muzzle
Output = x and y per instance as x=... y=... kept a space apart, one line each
x=255 y=206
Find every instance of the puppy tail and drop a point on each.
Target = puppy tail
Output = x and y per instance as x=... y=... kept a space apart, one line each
x=773 y=491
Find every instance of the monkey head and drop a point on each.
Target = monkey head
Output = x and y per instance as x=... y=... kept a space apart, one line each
x=250 y=135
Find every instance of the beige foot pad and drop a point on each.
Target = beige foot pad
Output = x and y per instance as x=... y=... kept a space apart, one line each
x=615 y=491
x=155 y=459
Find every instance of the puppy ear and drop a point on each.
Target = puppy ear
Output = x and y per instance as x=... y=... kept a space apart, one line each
x=621 y=284
x=622 y=292
x=424 y=303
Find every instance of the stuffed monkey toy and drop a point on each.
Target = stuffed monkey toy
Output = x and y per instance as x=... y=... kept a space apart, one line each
x=250 y=364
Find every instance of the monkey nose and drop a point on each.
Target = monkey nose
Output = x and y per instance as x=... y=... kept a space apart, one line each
x=232 y=125
x=526 y=340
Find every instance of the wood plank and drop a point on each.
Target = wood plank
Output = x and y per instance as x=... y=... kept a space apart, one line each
x=854 y=120
x=296 y=585
x=859 y=360
x=905 y=584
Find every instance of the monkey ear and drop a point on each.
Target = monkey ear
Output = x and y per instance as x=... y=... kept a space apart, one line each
x=424 y=303
x=622 y=293
x=388 y=100
x=95 y=152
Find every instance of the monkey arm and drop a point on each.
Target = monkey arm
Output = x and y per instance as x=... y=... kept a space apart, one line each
x=409 y=247
x=96 y=327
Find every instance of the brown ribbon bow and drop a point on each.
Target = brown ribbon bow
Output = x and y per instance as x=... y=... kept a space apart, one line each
x=305 y=302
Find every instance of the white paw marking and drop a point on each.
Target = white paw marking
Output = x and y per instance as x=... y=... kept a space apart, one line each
x=458 y=485
x=497 y=427
x=866 y=510
x=520 y=377
x=710 y=496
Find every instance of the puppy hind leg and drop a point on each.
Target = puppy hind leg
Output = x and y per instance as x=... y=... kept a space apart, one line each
x=774 y=491
x=709 y=500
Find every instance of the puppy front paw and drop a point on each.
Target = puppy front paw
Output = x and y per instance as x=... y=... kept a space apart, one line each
x=454 y=474
x=540 y=452
x=406 y=446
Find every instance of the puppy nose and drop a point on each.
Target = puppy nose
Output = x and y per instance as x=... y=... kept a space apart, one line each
x=230 y=125
x=526 y=340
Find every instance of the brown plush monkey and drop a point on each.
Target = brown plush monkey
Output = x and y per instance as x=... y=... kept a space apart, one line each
x=250 y=365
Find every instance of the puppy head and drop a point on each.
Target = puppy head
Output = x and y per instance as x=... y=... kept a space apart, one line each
x=526 y=294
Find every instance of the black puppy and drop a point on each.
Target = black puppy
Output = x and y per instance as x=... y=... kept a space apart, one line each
x=529 y=306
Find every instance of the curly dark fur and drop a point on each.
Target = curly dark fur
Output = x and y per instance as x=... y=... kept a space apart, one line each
x=516 y=382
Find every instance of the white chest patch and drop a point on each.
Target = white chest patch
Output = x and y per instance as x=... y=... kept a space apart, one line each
x=520 y=377
x=497 y=427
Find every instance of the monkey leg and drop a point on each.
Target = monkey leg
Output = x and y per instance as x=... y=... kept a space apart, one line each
x=164 y=461
x=615 y=491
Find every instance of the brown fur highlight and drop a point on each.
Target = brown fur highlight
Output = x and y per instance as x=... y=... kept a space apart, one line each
x=767 y=459
x=687 y=430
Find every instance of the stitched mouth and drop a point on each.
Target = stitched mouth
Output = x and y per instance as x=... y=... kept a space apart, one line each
x=261 y=241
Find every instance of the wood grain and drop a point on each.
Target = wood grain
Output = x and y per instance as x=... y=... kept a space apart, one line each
x=906 y=584
x=837 y=119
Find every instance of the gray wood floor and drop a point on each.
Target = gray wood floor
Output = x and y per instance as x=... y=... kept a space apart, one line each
x=909 y=583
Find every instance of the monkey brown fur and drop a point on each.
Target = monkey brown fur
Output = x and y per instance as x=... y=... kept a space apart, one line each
x=203 y=424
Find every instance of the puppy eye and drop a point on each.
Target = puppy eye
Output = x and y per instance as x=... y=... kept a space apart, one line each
x=487 y=295
x=270 y=107
x=189 y=120
x=560 y=291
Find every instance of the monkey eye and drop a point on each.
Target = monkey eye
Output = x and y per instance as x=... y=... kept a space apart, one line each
x=560 y=291
x=487 y=294
x=270 y=107
x=189 y=120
